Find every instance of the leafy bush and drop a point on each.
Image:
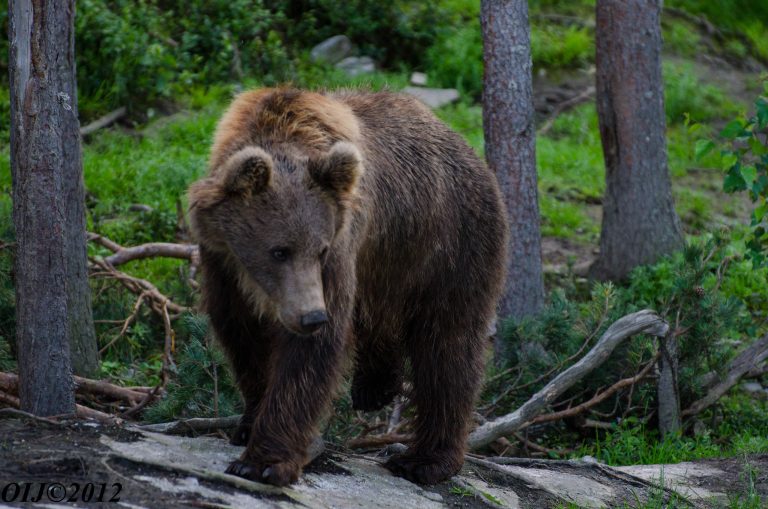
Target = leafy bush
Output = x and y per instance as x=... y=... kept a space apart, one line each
x=456 y=60
x=745 y=161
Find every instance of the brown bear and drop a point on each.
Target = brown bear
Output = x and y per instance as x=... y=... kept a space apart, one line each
x=348 y=223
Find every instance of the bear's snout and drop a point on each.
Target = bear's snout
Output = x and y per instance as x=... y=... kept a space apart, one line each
x=313 y=320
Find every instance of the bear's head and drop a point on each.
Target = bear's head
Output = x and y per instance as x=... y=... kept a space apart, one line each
x=275 y=217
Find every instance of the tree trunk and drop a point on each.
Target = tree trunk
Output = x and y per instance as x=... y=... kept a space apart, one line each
x=639 y=220
x=43 y=118
x=510 y=147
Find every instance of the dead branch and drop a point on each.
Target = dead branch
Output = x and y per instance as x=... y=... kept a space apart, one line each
x=373 y=441
x=582 y=97
x=199 y=425
x=101 y=122
x=748 y=360
x=150 y=250
x=597 y=399
x=539 y=448
x=645 y=321
x=9 y=382
x=137 y=286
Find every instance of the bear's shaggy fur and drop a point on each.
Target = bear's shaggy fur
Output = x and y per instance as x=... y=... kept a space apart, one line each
x=340 y=223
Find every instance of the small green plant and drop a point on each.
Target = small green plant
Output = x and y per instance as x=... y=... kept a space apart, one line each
x=461 y=491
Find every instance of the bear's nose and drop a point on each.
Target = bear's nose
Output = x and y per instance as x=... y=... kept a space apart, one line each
x=312 y=321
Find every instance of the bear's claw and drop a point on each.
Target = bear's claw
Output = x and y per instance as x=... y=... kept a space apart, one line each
x=279 y=474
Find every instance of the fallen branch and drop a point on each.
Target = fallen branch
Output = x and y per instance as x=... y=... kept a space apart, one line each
x=9 y=382
x=101 y=122
x=641 y=322
x=137 y=286
x=373 y=441
x=582 y=97
x=200 y=425
x=744 y=363
x=150 y=250
x=80 y=410
x=598 y=398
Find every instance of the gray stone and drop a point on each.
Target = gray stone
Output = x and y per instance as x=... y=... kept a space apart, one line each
x=332 y=50
x=434 y=97
x=754 y=389
x=419 y=79
x=355 y=66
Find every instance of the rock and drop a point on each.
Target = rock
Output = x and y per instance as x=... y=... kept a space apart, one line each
x=355 y=66
x=754 y=389
x=419 y=79
x=332 y=50
x=433 y=97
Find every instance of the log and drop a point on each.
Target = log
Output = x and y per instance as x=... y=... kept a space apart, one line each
x=101 y=122
x=645 y=321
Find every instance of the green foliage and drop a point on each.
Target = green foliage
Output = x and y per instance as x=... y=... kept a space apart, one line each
x=744 y=159
x=456 y=60
x=392 y=32
x=558 y=47
x=203 y=386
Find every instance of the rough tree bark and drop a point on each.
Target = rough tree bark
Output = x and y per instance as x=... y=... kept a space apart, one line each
x=639 y=219
x=508 y=125
x=47 y=203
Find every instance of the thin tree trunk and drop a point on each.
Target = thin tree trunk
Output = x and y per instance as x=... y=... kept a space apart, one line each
x=510 y=147
x=639 y=220
x=43 y=113
x=667 y=387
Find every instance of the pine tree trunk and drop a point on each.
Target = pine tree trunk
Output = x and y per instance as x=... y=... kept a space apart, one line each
x=43 y=118
x=639 y=220
x=510 y=147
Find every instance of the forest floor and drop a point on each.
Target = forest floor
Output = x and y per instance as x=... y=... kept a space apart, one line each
x=151 y=470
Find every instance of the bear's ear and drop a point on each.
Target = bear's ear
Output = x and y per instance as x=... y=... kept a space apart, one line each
x=247 y=171
x=339 y=170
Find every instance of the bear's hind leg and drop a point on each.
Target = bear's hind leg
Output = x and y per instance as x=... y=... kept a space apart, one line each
x=447 y=372
x=378 y=374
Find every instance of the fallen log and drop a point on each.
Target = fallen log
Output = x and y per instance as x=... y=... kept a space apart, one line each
x=101 y=122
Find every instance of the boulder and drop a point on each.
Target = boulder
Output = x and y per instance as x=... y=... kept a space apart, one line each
x=332 y=50
x=434 y=97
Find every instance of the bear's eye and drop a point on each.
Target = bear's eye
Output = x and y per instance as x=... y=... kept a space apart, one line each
x=280 y=254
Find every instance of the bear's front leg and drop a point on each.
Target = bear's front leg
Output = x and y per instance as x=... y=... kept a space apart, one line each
x=303 y=376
